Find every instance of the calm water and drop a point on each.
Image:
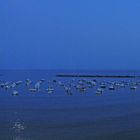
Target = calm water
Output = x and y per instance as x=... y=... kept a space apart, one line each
x=39 y=116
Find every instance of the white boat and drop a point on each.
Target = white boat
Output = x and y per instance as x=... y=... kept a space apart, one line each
x=15 y=93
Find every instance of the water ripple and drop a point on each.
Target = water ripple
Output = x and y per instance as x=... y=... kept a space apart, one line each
x=19 y=126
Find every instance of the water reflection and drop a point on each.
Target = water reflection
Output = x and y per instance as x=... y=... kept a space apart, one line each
x=20 y=138
x=18 y=128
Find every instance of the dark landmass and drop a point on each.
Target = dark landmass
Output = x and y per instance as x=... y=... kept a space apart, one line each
x=97 y=76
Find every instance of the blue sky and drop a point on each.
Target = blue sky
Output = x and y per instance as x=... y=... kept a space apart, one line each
x=70 y=34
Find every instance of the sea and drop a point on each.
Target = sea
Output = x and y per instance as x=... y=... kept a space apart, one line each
x=115 y=115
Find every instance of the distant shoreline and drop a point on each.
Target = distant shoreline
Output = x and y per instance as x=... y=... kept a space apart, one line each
x=97 y=76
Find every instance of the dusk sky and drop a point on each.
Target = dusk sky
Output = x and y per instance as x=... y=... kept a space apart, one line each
x=70 y=34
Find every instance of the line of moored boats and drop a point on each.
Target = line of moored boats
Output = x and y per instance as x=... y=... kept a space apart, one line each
x=80 y=85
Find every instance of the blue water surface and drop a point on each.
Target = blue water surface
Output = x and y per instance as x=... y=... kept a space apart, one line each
x=39 y=116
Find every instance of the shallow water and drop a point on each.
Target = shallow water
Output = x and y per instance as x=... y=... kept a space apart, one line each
x=39 y=116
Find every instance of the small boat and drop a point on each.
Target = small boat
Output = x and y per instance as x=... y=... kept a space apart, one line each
x=111 y=87
x=33 y=90
x=2 y=85
x=90 y=86
x=98 y=93
x=18 y=83
x=7 y=87
x=50 y=90
x=122 y=85
x=82 y=89
x=60 y=83
x=68 y=90
x=100 y=90
x=13 y=85
x=42 y=80
x=28 y=82
x=102 y=86
x=80 y=82
x=37 y=85
x=15 y=93
x=133 y=87
x=93 y=83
